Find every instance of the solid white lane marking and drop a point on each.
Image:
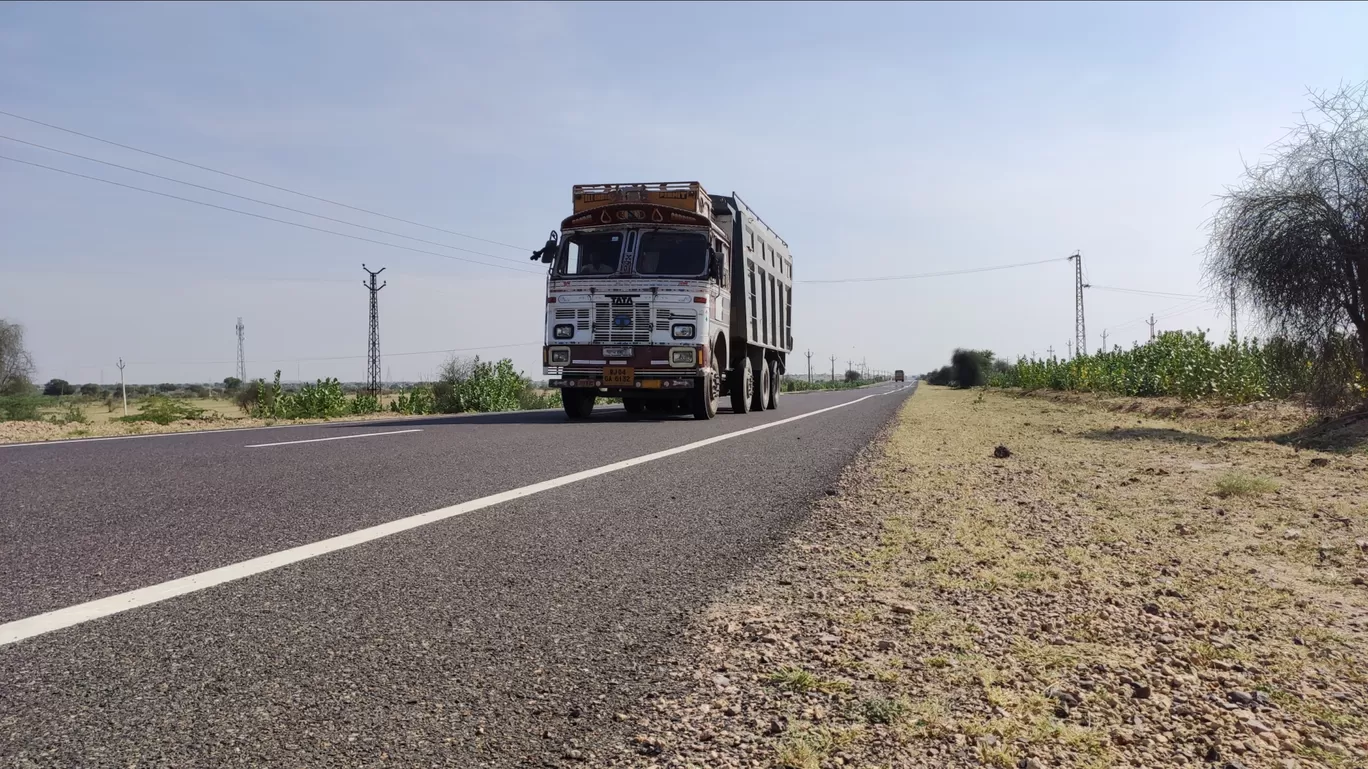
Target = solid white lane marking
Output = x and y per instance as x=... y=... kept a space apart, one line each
x=22 y=629
x=334 y=438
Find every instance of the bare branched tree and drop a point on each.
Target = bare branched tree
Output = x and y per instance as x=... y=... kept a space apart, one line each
x=16 y=365
x=1291 y=241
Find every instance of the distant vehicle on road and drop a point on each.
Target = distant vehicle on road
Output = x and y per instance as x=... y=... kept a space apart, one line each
x=667 y=297
x=898 y=376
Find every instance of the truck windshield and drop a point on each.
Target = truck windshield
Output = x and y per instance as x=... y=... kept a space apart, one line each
x=672 y=253
x=590 y=253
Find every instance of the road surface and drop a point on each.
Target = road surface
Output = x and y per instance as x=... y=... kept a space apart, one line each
x=446 y=591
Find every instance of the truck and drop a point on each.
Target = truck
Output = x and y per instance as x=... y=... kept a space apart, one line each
x=667 y=297
x=898 y=376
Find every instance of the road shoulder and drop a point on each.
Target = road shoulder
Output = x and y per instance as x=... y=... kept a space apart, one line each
x=1105 y=594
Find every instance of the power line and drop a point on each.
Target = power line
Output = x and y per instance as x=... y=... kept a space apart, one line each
x=260 y=183
x=263 y=216
x=936 y=274
x=261 y=202
x=328 y=358
x=1142 y=292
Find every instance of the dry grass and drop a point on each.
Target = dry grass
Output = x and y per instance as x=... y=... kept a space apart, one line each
x=1091 y=601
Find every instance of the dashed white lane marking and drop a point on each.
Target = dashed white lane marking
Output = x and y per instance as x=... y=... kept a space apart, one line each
x=334 y=438
x=19 y=630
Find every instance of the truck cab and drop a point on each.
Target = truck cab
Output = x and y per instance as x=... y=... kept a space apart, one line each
x=639 y=300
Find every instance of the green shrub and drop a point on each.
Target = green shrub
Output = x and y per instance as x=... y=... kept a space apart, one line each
x=1187 y=365
x=475 y=385
x=320 y=400
x=72 y=413
x=162 y=410
x=419 y=400
x=365 y=403
x=17 y=408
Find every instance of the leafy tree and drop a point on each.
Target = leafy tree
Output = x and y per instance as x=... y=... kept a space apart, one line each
x=16 y=365
x=167 y=387
x=1291 y=241
x=231 y=384
x=90 y=389
x=58 y=387
x=852 y=375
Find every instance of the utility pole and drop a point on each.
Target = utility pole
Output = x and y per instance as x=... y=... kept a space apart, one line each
x=833 y=368
x=1104 y=341
x=1151 y=325
x=373 y=352
x=809 y=357
x=241 y=359
x=122 y=387
x=1234 y=329
x=1080 y=330
x=1068 y=348
x=1050 y=351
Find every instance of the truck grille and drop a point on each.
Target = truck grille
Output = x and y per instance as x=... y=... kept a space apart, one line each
x=636 y=331
x=580 y=316
x=663 y=318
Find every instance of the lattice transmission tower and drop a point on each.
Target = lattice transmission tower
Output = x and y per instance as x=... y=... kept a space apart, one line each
x=373 y=352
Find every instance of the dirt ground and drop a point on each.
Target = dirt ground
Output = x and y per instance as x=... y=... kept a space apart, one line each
x=1114 y=589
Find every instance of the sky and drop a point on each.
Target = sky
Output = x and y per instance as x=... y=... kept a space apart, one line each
x=877 y=139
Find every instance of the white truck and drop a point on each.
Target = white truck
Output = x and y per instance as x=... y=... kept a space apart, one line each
x=669 y=298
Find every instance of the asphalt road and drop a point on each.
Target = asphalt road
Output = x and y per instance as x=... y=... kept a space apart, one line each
x=501 y=636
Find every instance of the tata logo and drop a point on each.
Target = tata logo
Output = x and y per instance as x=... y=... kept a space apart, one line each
x=621 y=301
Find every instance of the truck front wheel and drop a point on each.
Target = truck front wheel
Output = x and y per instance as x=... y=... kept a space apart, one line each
x=705 y=395
x=579 y=404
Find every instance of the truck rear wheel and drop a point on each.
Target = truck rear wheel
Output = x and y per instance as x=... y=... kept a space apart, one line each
x=776 y=385
x=741 y=382
x=579 y=404
x=760 y=390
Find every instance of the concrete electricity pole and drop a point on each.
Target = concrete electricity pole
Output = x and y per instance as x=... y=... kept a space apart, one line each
x=1104 y=340
x=809 y=357
x=241 y=359
x=1151 y=325
x=122 y=387
x=833 y=368
x=1068 y=348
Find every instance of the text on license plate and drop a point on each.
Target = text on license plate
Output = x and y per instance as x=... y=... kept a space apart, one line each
x=618 y=376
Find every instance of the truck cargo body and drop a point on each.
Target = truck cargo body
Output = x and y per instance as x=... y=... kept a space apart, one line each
x=667 y=297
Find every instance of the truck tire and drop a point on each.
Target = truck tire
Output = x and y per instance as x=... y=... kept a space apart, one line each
x=579 y=404
x=634 y=405
x=760 y=390
x=704 y=397
x=741 y=382
x=776 y=385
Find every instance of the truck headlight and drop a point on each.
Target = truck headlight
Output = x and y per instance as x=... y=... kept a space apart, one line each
x=682 y=331
x=560 y=354
x=683 y=356
x=564 y=330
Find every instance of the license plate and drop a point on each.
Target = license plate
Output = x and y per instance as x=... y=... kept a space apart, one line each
x=617 y=352
x=619 y=376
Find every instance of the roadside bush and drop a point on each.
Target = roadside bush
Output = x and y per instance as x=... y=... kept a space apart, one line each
x=72 y=413
x=320 y=400
x=971 y=367
x=1187 y=365
x=531 y=399
x=90 y=389
x=163 y=411
x=365 y=403
x=418 y=400
x=476 y=385
x=250 y=396
x=20 y=408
